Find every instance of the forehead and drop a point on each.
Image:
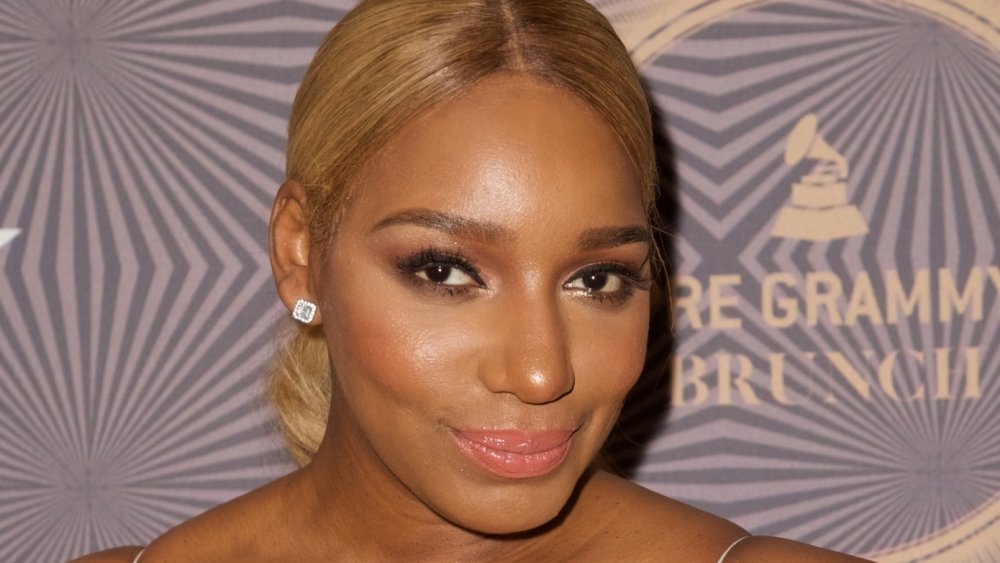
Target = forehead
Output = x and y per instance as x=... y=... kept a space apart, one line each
x=512 y=150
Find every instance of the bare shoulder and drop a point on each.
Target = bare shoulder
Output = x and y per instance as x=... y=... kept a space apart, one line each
x=647 y=526
x=116 y=555
x=233 y=530
x=642 y=525
x=778 y=550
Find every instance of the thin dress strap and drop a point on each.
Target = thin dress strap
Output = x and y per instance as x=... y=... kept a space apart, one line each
x=138 y=555
x=721 y=557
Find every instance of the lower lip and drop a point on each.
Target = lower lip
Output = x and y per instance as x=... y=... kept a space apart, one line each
x=513 y=464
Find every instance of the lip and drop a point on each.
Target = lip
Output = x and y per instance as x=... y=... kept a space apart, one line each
x=515 y=454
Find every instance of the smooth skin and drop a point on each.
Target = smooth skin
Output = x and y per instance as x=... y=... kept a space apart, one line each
x=491 y=271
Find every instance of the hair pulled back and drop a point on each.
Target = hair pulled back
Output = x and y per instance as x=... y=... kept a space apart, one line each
x=389 y=61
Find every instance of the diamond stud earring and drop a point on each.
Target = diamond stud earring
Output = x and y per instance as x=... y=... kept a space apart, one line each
x=304 y=311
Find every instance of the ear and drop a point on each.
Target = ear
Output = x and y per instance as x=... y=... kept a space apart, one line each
x=288 y=247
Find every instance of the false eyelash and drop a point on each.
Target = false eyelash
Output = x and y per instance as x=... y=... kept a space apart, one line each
x=632 y=280
x=631 y=276
x=409 y=265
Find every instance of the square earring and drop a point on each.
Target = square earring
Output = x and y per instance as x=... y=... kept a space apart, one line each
x=304 y=311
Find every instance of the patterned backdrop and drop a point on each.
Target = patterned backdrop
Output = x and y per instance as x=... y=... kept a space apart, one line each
x=835 y=193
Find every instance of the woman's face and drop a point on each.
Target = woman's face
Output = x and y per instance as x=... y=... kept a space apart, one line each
x=486 y=303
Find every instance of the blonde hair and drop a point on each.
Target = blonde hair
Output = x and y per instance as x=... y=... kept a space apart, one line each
x=387 y=62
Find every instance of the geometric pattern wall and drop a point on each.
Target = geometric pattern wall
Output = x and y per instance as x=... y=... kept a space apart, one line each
x=141 y=144
x=836 y=385
x=831 y=385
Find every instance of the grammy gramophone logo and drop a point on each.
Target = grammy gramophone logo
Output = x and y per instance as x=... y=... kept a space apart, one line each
x=819 y=210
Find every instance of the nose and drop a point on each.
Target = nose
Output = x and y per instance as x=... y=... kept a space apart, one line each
x=532 y=359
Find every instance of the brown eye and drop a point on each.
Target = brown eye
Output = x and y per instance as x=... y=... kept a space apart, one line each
x=604 y=282
x=443 y=274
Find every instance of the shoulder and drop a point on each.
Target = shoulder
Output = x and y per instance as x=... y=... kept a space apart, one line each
x=242 y=529
x=639 y=524
x=647 y=526
x=778 y=550
x=232 y=530
x=116 y=555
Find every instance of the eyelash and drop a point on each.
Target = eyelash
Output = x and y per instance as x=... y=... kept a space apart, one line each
x=631 y=278
x=409 y=266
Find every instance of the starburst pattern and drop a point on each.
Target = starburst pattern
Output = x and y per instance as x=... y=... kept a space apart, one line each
x=141 y=144
x=912 y=103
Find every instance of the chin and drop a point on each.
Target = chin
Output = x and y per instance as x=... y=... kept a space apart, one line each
x=528 y=508
x=514 y=523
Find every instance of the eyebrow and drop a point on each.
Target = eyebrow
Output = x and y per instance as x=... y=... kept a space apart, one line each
x=491 y=233
x=611 y=237
x=452 y=224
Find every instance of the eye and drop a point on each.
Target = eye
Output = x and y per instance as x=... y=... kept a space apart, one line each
x=445 y=274
x=438 y=271
x=597 y=281
x=611 y=283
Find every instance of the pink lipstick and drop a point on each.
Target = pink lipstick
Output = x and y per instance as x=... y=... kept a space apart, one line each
x=513 y=453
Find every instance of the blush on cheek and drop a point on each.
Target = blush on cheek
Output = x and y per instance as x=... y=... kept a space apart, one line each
x=410 y=356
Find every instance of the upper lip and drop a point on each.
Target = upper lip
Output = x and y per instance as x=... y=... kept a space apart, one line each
x=517 y=441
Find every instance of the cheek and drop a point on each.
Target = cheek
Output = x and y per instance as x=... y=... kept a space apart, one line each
x=609 y=355
x=384 y=350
